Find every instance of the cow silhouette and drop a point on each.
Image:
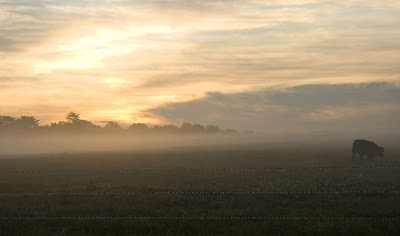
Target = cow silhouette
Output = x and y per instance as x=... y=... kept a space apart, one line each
x=366 y=148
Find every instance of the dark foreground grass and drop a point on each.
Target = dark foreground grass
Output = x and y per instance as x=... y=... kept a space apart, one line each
x=371 y=210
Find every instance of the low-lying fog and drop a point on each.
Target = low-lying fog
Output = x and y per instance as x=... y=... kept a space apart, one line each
x=18 y=144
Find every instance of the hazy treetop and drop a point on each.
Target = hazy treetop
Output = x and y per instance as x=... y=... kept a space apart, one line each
x=74 y=123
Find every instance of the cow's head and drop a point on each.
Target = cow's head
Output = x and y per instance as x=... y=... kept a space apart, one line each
x=380 y=152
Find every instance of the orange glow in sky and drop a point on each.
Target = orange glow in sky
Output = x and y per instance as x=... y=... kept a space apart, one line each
x=116 y=60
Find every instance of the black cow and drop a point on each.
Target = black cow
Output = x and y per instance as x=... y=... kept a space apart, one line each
x=367 y=148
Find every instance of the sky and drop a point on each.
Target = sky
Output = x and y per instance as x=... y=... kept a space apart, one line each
x=247 y=64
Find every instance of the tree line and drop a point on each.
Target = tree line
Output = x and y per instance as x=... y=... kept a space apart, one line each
x=74 y=123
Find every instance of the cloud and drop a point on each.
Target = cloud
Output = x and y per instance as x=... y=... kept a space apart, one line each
x=365 y=106
x=120 y=57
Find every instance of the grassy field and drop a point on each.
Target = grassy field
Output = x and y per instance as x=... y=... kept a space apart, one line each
x=207 y=194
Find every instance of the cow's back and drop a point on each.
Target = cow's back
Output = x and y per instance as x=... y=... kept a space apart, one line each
x=360 y=144
x=361 y=147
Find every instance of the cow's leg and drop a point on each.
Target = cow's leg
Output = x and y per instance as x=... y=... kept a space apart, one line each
x=354 y=151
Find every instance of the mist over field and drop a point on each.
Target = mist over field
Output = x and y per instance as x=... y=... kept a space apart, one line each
x=98 y=143
x=74 y=143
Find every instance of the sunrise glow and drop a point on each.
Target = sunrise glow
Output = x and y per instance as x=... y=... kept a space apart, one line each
x=126 y=61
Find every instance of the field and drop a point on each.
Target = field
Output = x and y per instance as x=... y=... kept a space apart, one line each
x=200 y=200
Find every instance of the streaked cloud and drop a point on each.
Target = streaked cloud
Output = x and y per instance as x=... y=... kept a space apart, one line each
x=120 y=58
x=367 y=107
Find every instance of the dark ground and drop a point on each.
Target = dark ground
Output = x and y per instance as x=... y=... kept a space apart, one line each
x=373 y=210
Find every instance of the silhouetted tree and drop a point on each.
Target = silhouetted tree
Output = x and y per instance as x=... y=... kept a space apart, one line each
x=60 y=125
x=73 y=122
x=27 y=122
x=186 y=127
x=22 y=123
x=198 y=128
x=87 y=124
x=112 y=126
x=72 y=117
x=213 y=129
x=7 y=122
x=169 y=129
x=231 y=131
x=156 y=128
x=138 y=127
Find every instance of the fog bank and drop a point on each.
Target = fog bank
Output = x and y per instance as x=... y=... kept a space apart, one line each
x=17 y=145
